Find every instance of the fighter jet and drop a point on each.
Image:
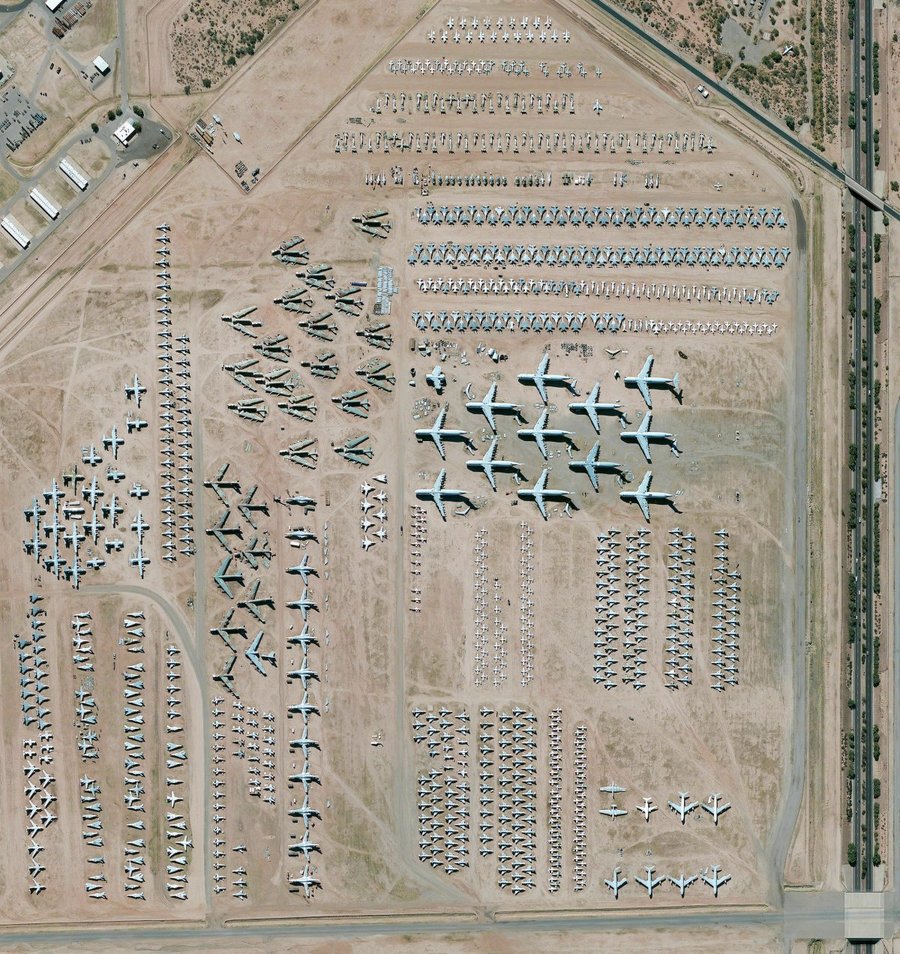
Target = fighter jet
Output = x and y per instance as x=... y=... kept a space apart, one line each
x=438 y=494
x=644 y=382
x=488 y=405
x=643 y=436
x=593 y=408
x=592 y=466
x=643 y=497
x=540 y=493
x=540 y=433
x=438 y=433
x=488 y=464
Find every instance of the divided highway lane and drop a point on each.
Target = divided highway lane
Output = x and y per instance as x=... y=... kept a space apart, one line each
x=736 y=99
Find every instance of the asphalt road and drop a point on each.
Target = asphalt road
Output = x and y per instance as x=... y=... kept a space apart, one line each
x=736 y=99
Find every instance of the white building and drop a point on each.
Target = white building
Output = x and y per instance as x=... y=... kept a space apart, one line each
x=125 y=132
x=54 y=5
x=101 y=66
x=43 y=203
x=73 y=173
x=15 y=231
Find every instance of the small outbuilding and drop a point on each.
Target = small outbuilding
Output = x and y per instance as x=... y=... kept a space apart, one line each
x=101 y=66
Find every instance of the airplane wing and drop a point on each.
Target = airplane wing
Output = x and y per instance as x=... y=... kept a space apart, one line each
x=492 y=450
x=438 y=442
x=644 y=444
x=541 y=387
x=645 y=391
x=645 y=510
x=647 y=368
x=489 y=473
x=489 y=415
x=539 y=440
x=441 y=480
x=439 y=503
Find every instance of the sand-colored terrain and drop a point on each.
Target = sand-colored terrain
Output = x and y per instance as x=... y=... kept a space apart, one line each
x=413 y=642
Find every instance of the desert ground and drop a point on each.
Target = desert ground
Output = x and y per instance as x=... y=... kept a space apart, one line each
x=427 y=672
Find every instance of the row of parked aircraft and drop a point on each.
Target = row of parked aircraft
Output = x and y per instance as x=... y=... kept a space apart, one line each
x=540 y=494
x=709 y=876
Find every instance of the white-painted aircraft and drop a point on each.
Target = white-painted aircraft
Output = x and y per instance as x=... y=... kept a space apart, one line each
x=615 y=884
x=644 y=382
x=540 y=493
x=714 y=880
x=489 y=404
x=540 y=433
x=540 y=379
x=438 y=494
x=643 y=496
x=438 y=433
x=644 y=436
x=593 y=408
x=592 y=465
x=649 y=882
x=683 y=883
x=647 y=808
x=712 y=806
x=134 y=391
x=682 y=808
x=488 y=464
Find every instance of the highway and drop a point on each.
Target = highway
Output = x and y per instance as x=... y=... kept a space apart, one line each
x=862 y=476
x=737 y=99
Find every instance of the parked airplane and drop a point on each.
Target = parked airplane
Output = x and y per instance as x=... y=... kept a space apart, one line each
x=113 y=442
x=613 y=811
x=540 y=379
x=304 y=604
x=643 y=436
x=226 y=678
x=304 y=847
x=437 y=379
x=223 y=577
x=714 y=808
x=643 y=496
x=714 y=881
x=254 y=601
x=438 y=494
x=593 y=408
x=647 y=808
x=644 y=382
x=592 y=466
x=438 y=433
x=540 y=433
x=303 y=569
x=134 y=391
x=304 y=778
x=140 y=560
x=304 y=638
x=615 y=884
x=683 y=883
x=304 y=674
x=488 y=464
x=489 y=404
x=540 y=493
x=649 y=882
x=612 y=789
x=255 y=657
x=305 y=881
x=304 y=708
x=683 y=808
